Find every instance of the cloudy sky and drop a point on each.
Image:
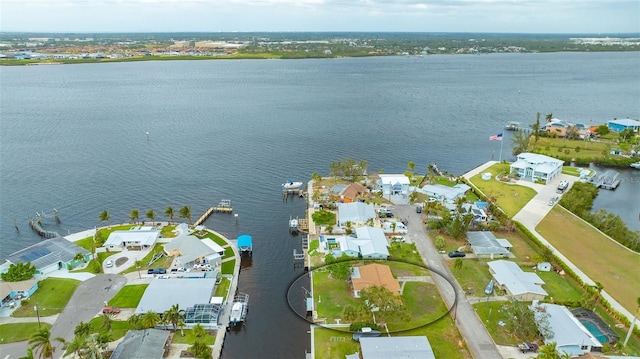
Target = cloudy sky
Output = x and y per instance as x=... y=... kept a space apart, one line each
x=520 y=16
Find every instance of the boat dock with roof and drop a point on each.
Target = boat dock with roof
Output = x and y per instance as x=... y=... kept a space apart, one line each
x=608 y=180
x=245 y=244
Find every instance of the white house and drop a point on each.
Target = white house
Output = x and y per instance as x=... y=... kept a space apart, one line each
x=524 y=286
x=445 y=194
x=486 y=245
x=535 y=167
x=569 y=334
x=358 y=213
x=367 y=242
x=189 y=250
x=142 y=238
x=391 y=184
x=384 y=347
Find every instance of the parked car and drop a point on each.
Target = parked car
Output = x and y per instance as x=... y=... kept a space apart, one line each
x=419 y=209
x=553 y=200
x=456 y=254
x=157 y=271
x=528 y=347
x=110 y=310
x=365 y=332
x=108 y=263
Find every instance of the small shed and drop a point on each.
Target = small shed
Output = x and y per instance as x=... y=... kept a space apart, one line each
x=544 y=266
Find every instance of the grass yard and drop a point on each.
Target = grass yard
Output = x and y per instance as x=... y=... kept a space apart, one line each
x=491 y=315
x=189 y=338
x=602 y=260
x=561 y=289
x=424 y=304
x=558 y=146
x=52 y=296
x=332 y=295
x=223 y=287
x=86 y=243
x=510 y=197
x=444 y=338
x=633 y=346
x=472 y=277
x=163 y=262
x=119 y=328
x=405 y=252
x=17 y=332
x=129 y=296
x=228 y=252
x=400 y=269
x=330 y=344
x=168 y=231
x=227 y=267
x=221 y=242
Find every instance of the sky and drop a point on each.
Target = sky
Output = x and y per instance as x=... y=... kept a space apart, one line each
x=500 y=16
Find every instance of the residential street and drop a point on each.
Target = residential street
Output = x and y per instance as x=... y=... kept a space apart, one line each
x=471 y=328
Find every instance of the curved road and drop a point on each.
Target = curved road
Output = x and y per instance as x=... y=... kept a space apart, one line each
x=469 y=324
x=85 y=303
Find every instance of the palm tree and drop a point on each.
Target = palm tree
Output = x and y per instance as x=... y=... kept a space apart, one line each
x=599 y=287
x=134 y=321
x=185 y=212
x=550 y=351
x=151 y=214
x=440 y=242
x=181 y=325
x=79 y=257
x=107 y=321
x=150 y=319
x=200 y=349
x=138 y=264
x=82 y=329
x=633 y=323
x=174 y=315
x=40 y=342
x=104 y=216
x=198 y=331
x=549 y=117
x=169 y=213
x=134 y=215
x=29 y=354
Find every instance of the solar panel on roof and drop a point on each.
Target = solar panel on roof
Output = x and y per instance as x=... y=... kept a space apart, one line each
x=35 y=254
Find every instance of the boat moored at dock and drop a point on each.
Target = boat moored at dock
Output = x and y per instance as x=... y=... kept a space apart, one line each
x=293 y=225
x=239 y=309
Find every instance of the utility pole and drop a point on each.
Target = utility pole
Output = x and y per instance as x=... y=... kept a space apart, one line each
x=37 y=310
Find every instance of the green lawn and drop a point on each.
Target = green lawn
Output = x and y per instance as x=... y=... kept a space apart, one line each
x=223 y=287
x=405 y=252
x=227 y=267
x=129 y=296
x=168 y=231
x=561 y=289
x=331 y=344
x=331 y=296
x=555 y=146
x=86 y=243
x=52 y=296
x=215 y=238
x=491 y=315
x=164 y=262
x=189 y=338
x=400 y=269
x=118 y=327
x=602 y=260
x=17 y=332
x=510 y=197
x=228 y=252
x=444 y=338
x=472 y=277
x=424 y=304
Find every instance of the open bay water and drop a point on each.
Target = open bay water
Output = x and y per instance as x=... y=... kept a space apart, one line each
x=73 y=137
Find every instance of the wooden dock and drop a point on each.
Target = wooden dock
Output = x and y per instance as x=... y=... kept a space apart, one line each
x=203 y=217
x=224 y=206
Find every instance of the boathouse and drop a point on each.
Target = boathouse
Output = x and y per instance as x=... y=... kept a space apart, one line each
x=245 y=244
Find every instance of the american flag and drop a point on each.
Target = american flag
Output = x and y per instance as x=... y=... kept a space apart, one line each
x=497 y=137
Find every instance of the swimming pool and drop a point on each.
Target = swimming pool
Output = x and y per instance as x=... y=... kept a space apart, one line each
x=593 y=329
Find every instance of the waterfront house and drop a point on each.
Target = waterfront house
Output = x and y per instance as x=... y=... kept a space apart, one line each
x=366 y=243
x=16 y=291
x=485 y=245
x=344 y=193
x=536 y=167
x=560 y=128
x=48 y=256
x=569 y=334
x=374 y=274
x=623 y=124
x=357 y=213
x=393 y=184
x=137 y=238
x=445 y=194
x=520 y=285
x=396 y=347
x=190 y=250
x=142 y=344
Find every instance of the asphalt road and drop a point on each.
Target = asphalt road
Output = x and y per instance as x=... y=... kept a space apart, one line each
x=469 y=324
x=85 y=303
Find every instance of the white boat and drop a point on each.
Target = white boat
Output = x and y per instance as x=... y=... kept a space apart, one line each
x=293 y=225
x=239 y=309
x=512 y=126
x=635 y=165
x=291 y=185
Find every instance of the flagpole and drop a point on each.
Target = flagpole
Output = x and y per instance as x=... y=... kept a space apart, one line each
x=500 y=157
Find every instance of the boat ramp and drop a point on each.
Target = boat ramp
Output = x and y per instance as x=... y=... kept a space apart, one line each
x=608 y=180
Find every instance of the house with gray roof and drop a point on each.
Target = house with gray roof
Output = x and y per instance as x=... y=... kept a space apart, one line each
x=523 y=286
x=535 y=167
x=445 y=194
x=48 y=256
x=358 y=213
x=393 y=184
x=190 y=250
x=142 y=344
x=366 y=242
x=396 y=347
x=486 y=245
x=569 y=334
x=135 y=238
